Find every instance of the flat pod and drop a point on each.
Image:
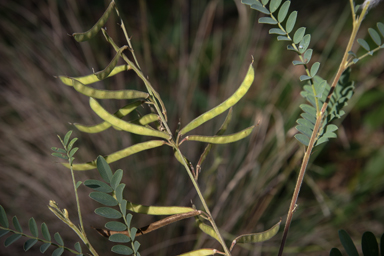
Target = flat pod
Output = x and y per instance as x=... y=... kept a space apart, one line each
x=125 y=126
x=257 y=237
x=105 y=94
x=92 y=78
x=158 y=210
x=105 y=125
x=222 y=139
x=200 y=252
x=105 y=72
x=241 y=91
x=119 y=154
x=85 y=36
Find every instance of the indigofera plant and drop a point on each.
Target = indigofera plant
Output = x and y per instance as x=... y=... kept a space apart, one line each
x=325 y=103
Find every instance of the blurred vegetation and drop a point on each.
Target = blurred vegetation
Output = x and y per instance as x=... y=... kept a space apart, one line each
x=195 y=54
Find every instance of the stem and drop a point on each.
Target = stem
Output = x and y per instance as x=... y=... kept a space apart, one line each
x=343 y=65
x=210 y=218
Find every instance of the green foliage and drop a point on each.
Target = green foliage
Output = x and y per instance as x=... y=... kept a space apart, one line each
x=34 y=237
x=103 y=196
x=369 y=245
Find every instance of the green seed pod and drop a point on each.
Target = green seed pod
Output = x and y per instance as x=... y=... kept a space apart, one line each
x=241 y=91
x=89 y=79
x=105 y=94
x=119 y=154
x=125 y=126
x=85 y=36
x=222 y=139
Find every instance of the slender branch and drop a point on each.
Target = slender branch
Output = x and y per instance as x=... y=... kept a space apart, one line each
x=343 y=65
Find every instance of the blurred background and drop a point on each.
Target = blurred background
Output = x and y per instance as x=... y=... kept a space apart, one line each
x=195 y=54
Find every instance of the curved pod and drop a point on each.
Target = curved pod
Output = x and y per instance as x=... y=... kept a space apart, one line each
x=240 y=92
x=222 y=139
x=119 y=154
x=85 y=36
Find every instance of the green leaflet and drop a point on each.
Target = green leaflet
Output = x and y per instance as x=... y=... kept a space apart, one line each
x=115 y=226
x=125 y=126
x=291 y=22
x=106 y=94
x=16 y=224
x=29 y=243
x=274 y=5
x=119 y=238
x=103 y=198
x=347 y=243
x=283 y=11
x=241 y=91
x=33 y=227
x=105 y=125
x=108 y=213
x=105 y=72
x=121 y=249
x=222 y=139
x=257 y=237
x=85 y=36
x=119 y=154
x=90 y=79
x=201 y=252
